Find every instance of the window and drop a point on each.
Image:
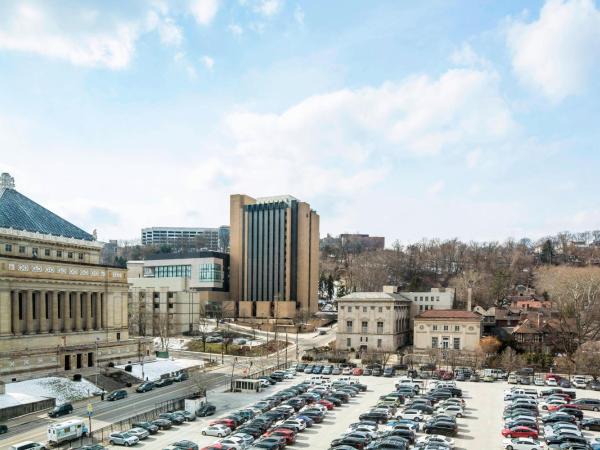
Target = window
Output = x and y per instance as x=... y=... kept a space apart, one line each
x=349 y=326
x=34 y=252
x=380 y=309
x=437 y=299
x=456 y=344
x=349 y=308
x=59 y=253
x=456 y=327
x=434 y=342
x=445 y=342
x=7 y=248
x=420 y=307
x=156 y=305
x=434 y=328
x=342 y=307
x=364 y=309
x=46 y=252
x=70 y=255
x=372 y=308
x=365 y=327
x=22 y=249
x=80 y=256
x=367 y=339
x=118 y=336
x=420 y=299
x=379 y=327
x=445 y=327
x=210 y=272
x=378 y=343
x=348 y=342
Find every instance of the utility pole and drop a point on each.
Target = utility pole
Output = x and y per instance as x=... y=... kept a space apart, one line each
x=297 y=349
x=286 y=346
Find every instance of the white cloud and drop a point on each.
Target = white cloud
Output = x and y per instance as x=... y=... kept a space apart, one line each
x=29 y=28
x=466 y=56
x=268 y=7
x=299 y=15
x=204 y=11
x=235 y=29
x=436 y=187
x=208 y=62
x=558 y=53
x=472 y=158
x=169 y=32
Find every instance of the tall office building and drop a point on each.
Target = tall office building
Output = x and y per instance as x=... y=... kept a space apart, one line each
x=274 y=259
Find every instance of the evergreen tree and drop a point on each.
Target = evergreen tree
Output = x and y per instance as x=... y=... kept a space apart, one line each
x=547 y=252
x=330 y=287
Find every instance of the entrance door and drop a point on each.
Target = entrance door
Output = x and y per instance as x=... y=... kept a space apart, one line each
x=90 y=359
x=67 y=362
x=79 y=364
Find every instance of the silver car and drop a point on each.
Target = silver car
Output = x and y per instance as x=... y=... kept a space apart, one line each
x=123 y=438
x=140 y=433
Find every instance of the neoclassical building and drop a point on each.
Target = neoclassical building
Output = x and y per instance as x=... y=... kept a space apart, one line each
x=60 y=309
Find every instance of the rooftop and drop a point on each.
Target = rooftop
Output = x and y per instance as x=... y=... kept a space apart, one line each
x=373 y=296
x=18 y=212
x=448 y=314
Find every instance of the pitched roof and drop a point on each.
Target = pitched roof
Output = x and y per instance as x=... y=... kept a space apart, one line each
x=448 y=314
x=20 y=213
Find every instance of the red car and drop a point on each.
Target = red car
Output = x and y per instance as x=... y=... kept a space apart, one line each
x=215 y=446
x=520 y=432
x=357 y=371
x=289 y=435
x=227 y=422
x=326 y=403
x=568 y=406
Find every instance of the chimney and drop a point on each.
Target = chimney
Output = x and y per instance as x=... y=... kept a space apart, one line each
x=469 y=297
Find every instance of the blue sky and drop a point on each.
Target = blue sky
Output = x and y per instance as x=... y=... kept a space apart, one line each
x=469 y=119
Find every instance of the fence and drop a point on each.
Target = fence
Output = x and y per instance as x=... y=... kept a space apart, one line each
x=268 y=371
x=27 y=408
x=101 y=434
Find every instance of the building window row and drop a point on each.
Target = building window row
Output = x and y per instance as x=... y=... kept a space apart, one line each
x=179 y=271
x=35 y=252
x=445 y=342
x=446 y=327
x=426 y=298
x=210 y=272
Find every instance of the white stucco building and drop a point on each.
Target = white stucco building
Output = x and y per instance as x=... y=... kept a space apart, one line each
x=447 y=329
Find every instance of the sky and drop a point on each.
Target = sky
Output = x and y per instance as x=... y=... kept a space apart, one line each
x=408 y=119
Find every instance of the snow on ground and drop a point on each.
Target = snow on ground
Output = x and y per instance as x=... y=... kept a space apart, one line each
x=63 y=389
x=154 y=369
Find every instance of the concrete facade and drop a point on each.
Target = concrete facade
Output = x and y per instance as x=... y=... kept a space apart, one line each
x=373 y=322
x=436 y=298
x=447 y=329
x=274 y=258
x=173 y=294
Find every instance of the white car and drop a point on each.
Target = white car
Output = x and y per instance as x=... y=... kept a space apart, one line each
x=231 y=443
x=362 y=429
x=579 y=383
x=218 y=430
x=436 y=439
x=247 y=439
x=412 y=414
x=139 y=432
x=289 y=375
x=550 y=430
x=522 y=444
x=300 y=423
x=554 y=402
x=122 y=438
x=551 y=382
x=452 y=410
x=347 y=371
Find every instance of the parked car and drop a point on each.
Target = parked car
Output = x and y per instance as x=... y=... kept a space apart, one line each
x=162 y=423
x=145 y=387
x=140 y=433
x=185 y=445
x=148 y=426
x=3 y=429
x=117 y=395
x=163 y=382
x=206 y=410
x=122 y=438
x=218 y=430
x=522 y=444
x=181 y=376
x=61 y=410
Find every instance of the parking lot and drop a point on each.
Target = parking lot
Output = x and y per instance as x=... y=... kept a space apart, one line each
x=479 y=429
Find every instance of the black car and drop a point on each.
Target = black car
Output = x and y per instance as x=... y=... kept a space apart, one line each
x=439 y=427
x=117 y=395
x=174 y=418
x=558 y=417
x=3 y=429
x=181 y=376
x=162 y=423
x=403 y=433
x=92 y=447
x=591 y=424
x=149 y=427
x=335 y=400
x=185 y=445
x=377 y=372
x=561 y=439
x=206 y=410
x=375 y=417
x=572 y=411
x=163 y=382
x=61 y=410
x=389 y=372
x=145 y=387
x=353 y=442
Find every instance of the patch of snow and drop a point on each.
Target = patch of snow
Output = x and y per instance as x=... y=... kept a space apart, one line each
x=162 y=366
x=62 y=389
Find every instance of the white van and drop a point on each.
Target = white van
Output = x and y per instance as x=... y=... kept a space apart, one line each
x=28 y=445
x=66 y=431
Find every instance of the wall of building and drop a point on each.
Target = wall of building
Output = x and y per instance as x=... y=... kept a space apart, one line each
x=469 y=333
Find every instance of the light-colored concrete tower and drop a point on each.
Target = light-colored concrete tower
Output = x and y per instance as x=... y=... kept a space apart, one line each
x=274 y=259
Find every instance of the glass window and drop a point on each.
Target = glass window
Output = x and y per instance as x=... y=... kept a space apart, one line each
x=380 y=309
x=7 y=248
x=378 y=343
x=365 y=326
x=435 y=328
x=456 y=327
x=349 y=326
x=21 y=249
x=70 y=255
x=47 y=252
x=379 y=327
x=80 y=256
x=34 y=252
x=59 y=253
x=364 y=309
x=210 y=272
x=456 y=344
x=445 y=327
x=348 y=342
x=434 y=342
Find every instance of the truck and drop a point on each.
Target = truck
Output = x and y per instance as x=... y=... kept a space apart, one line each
x=70 y=430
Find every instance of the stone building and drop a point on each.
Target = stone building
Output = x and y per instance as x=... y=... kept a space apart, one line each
x=274 y=245
x=59 y=308
x=171 y=293
x=373 y=321
x=447 y=329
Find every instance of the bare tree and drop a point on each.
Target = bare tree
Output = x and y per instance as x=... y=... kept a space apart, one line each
x=510 y=360
x=163 y=327
x=203 y=326
x=586 y=359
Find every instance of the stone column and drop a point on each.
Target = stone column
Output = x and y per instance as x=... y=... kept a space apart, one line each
x=97 y=295
x=53 y=298
x=87 y=300
x=5 y=312
x=68 y=323
x=29 y=312
x=104 y=300
x=43 y=319
x=16 y=322
x=77 y=301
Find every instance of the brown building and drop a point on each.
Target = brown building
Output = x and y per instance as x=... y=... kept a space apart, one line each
x=60 y=309
x=274 y=260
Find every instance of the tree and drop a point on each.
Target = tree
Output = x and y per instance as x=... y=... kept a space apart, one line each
x=163 y=327
x=342 y=291
x=547 y=252
x=329 y=287
x=200 y=383
x=490 y=345
x=203 y=326
x=587 y=360
x=575 y=293
x=510 y=360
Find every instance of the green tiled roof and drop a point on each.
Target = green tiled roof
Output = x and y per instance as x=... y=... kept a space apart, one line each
x=20 y=213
